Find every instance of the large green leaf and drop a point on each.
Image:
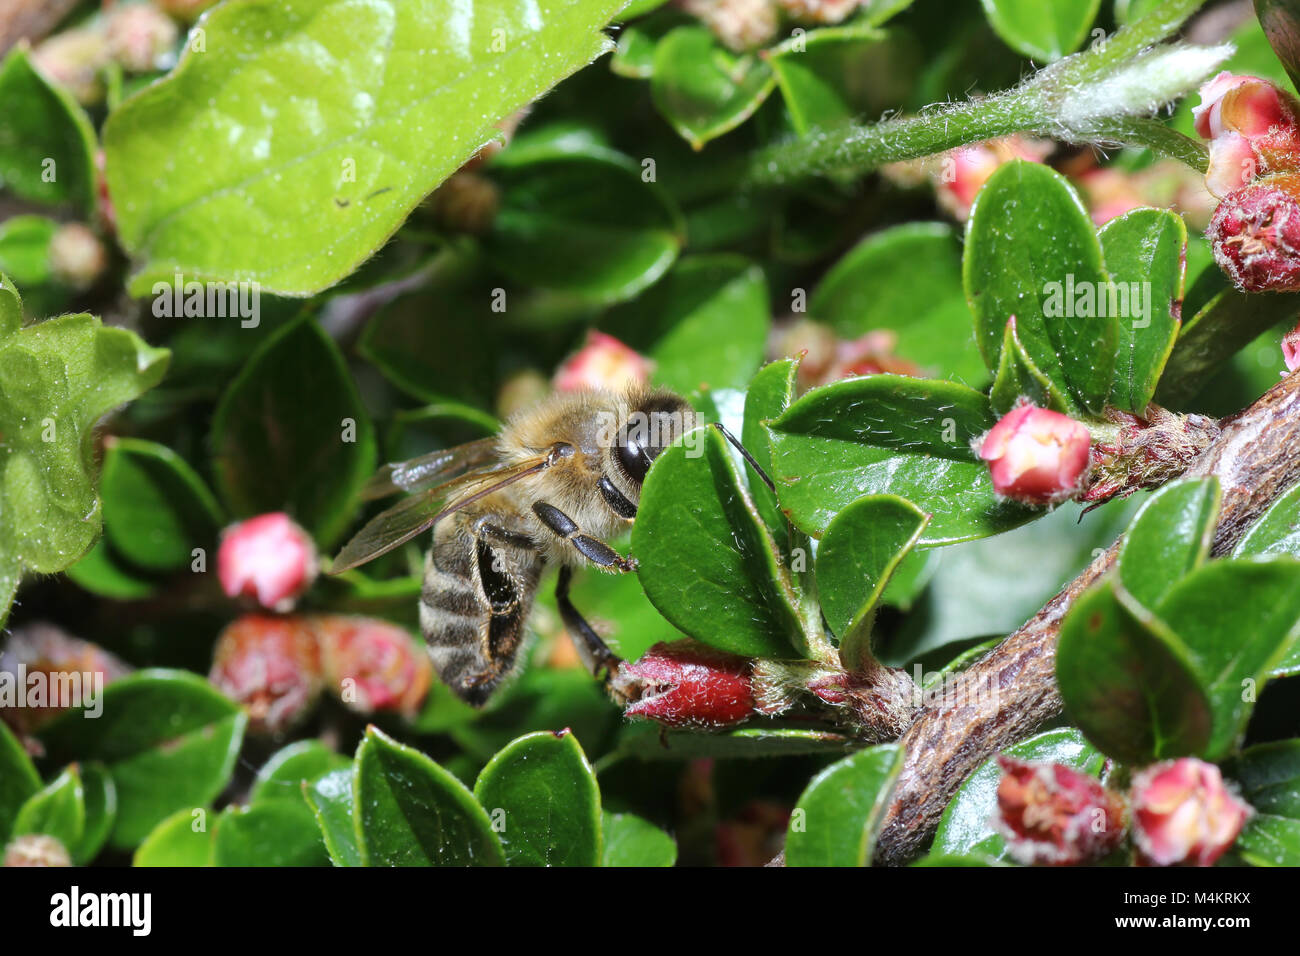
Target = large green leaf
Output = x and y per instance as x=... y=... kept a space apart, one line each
x=1269 y=775
x=18 y=779
x=57 y=379
x=1170 y=536
x=966 y=826
x=292 y=433
x=1031 y=252
x=839 y=813
x=57 y=810
x=544 y=801
x=1238 y=618
x=411 y=812
x=1127 y=682
x=331 y=801
x=630 y=840
x=47 y=145
x=293 y=146
x=273 y=833
x=708 y=562
x=906 y=279
x=168 y=739
x=1044 y=30
x=1145 y=254
x=889 y=434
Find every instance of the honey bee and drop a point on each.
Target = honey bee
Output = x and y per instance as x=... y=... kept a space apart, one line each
x=558 y=480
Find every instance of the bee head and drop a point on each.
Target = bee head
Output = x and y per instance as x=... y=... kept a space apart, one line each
x=657 y=420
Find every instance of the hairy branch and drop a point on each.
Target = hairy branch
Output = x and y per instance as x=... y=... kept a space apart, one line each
x=1256 y=458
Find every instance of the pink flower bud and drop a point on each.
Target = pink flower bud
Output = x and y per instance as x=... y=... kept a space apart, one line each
x=961 y=174
x=1254 y=129
x=1051 y=814
x=372 y=665
x=1255 y=233
x=1291 y=349
x=603 y=362
x=1184 y=814
x=739 y=24
x=818 y=11
x=269 y=558
x=1036 y=455
x=36 y=849
x=41 y=648
x=270 y=666
x=686 y=684
x=140 y=37
x=77 y=257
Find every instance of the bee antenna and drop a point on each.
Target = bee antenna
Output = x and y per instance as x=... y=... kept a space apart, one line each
x=744 y=453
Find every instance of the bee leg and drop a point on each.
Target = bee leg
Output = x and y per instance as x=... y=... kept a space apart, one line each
x=593 y=549
x=595 y=653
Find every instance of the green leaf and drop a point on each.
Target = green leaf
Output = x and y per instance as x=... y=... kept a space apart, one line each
x=1127 y=682
x=1226 y=324
x=839 y=813
x=769 y=394
x=1170 y=537
x=168 y=739
x=648 y=742
x=1280 y=20
x=1145 y=254
x=100 y=799
x=47 y=145
x=708 y=563
x=544 y=801
x=292 y=433
x=1276 y=531
x=826 y=75
x=57 y=379
x=630 y=840
x=966 y=827
x=889 y=434
x=1043 y=30
x=906 y=279
x=1269 y=775
x=411 y=812
x=1018 y=377
x=1032 y=253
x=331 y=800
x=1238 y=618
x=859 y=553
x=102 y=572
x=18 y=779
x=25 y=248
x=58 y=810
x=282 y=776
x=1269 y=840
x=156 y=508
x=182 y=839
x=374 y=105
x=703 y=89
x=637 y=42
x=274 y=833
x=588 y=225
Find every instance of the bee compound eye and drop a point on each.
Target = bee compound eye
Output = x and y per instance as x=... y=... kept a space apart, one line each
x=634 y=455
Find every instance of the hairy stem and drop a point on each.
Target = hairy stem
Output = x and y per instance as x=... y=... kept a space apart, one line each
x=1255 y=459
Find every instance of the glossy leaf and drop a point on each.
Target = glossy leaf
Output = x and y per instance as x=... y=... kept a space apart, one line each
x=906 y=279
x=1238 y=619
x=966 y=826
x=1128 y=682
x=1145 y=253
x=1170 y=537
x=630 y=840
x=100 y=799
x=769 y=394
x=168 y=739
x=1044 y=30
x=411 y=812
x=57 y=379
x=1269 y=775
x=25 y=249
x=589 y=225
x=1031 y=252
x=370 y=115
x=837 y=816
x=1276 y=531
x=707 y=560
x=703 y=89
x=156 y=508
x=47 y=145
x=1269 y=840
x=18 y=779
x=544 y=801
x=637 y=42
x=273 y=833
x=1280 y=20
x=1019 y=378
x=825 y=75
x=888 y=434
x=182 y=839
x=57 y=810
x=282 y=776
x=292 y=433
x=331 y=800
x=102 y=571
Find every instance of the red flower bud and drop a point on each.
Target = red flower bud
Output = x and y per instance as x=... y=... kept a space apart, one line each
x=372 y=665
x=688 y=684
x=140 y=37
x=1036 y=455
x=603 y=362
x=271 y=666
x=269 y=558
x=1051 y=814
x=44 y=649
x=961 y=174
x=1256 y=235
x=1184 y=814
x=1254 y=129
x=36 y=849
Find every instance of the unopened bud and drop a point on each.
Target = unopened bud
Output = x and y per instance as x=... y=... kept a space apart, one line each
x=1253 y=127
x=1291 y=349
x=740 y=25
x=40 y=648
x=36 y=849
x=1255 y=233
x=603 y=363
x=73 y=59
x=140 y=37
x=269 y=558
x=1184 y=814
x=686 y=684
x=1051 y=814
x=271 y=667
x=962 y=173
x=465 y=203
x=77 y=257
x=818 y=11
x=372 y=665
x=1035 y=455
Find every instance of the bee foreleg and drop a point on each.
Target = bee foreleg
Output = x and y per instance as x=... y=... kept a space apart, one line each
x=595 y=653
x=593 y=549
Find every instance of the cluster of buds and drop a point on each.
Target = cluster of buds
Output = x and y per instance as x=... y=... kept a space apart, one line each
x=1182 y=814
x=139 y=37
x=603 y=362
x=1254 y=133
x=1036 y=456
x=824 y=357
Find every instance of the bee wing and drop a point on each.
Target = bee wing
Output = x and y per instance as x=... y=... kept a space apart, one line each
x=421 y=511
x=421 y=472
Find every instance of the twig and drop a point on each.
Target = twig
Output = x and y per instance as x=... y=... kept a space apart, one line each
x=30 y=19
